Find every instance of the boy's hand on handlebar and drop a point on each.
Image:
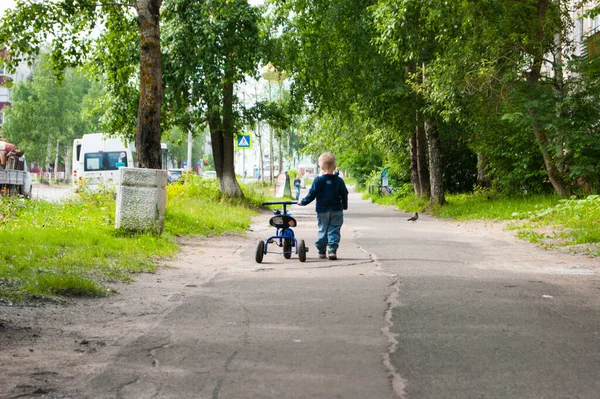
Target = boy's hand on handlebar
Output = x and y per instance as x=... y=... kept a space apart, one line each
x=300 y=203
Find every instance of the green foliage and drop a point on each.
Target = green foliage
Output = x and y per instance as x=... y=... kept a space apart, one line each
x=177 y=143
x=70 y=29
x=43 y=108
x=334 y=133
x=478 y=64
x=458 y=159
x=25 y=30
x=292 y=173
x=209 y=47
x=116 y=62
x=579 y=126
x=206 y=45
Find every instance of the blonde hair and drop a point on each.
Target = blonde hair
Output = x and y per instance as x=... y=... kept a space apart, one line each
x=327 y=161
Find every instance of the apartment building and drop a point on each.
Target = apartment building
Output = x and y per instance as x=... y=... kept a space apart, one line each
x=7 y=80
x=586 y=35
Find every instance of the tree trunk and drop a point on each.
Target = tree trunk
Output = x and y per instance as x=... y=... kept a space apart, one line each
x=483 y=180
x=420 y=139
x=280 y=151
x=414 y=170
x=422 y=158
x=147 y=135
x=554 y=175
x=540 y=134
x=56 y=156
x=47 y=163
x=435 y=162
x=216 y=139
x=227 y=180
x=414 y=152
x=261 y=165
x=271 y=157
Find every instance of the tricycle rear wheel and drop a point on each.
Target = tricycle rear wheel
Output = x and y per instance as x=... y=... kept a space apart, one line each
x=302 y=251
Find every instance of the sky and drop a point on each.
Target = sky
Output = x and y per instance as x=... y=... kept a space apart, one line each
x=4 y=4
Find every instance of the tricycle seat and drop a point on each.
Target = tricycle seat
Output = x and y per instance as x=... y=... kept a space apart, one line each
x=282 y=221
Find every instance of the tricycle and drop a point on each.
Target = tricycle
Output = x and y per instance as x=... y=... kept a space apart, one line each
x=284 y=235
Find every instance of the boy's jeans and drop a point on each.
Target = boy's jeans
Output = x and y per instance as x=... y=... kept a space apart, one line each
x=330 y=224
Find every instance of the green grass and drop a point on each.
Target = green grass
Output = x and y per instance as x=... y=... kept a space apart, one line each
x=72 y=249
x=195 y=208
x=350 y=181
x=570 y=222
x=544 y=219
x=471 y=207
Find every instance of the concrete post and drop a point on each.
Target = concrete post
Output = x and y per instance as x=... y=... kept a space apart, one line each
x=141 y=200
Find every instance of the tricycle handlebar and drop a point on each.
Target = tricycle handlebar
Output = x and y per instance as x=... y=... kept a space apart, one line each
x=281 y=203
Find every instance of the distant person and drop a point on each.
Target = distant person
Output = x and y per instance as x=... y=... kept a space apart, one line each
x=336 y=172
x=332 y=199
x=297 y=184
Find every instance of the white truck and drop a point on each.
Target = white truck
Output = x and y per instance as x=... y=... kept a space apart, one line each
x=97 y=158
x=15 y=178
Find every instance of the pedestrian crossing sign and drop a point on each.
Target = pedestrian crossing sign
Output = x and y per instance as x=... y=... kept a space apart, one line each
x=244 y=142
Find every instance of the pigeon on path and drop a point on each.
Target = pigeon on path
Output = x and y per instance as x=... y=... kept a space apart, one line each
x=413 y=218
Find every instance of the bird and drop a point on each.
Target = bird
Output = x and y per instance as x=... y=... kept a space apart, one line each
x=414 y=217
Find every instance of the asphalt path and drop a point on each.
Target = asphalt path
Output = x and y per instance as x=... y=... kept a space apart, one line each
x=478 y=316
x=429 y=309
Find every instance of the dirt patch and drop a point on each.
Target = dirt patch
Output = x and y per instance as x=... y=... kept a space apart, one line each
x=57 y=345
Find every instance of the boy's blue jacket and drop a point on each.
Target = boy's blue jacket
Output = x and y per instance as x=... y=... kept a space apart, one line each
x=331 y=194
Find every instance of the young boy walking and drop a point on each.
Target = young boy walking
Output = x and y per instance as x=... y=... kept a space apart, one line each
x=332 y=199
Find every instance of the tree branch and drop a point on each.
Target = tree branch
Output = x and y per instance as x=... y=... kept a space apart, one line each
x=111 y=4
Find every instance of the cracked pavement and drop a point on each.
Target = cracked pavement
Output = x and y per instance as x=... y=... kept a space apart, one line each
x=432 y=309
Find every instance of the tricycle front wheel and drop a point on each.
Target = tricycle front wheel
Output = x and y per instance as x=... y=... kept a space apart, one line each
x=287 y=248
x=260 y=251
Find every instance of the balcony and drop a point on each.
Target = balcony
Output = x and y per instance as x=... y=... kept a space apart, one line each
x=593 y=44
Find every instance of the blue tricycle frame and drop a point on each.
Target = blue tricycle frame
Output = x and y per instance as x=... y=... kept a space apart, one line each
x=284 y=235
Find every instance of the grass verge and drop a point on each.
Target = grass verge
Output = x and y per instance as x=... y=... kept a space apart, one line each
x=72 y=249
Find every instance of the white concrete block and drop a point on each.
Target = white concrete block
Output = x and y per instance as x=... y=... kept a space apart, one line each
x=141 y=200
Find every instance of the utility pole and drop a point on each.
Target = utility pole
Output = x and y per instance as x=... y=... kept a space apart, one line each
x=189 y=152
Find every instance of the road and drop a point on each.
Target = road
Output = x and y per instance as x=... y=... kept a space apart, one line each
x=53 y=193
x=431 y=309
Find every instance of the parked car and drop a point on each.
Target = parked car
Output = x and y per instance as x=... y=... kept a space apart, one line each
x=209 y=174
x=174 y=175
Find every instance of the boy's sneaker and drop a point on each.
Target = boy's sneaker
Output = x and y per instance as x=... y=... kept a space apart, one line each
x=332 y=256
x=322 y=255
